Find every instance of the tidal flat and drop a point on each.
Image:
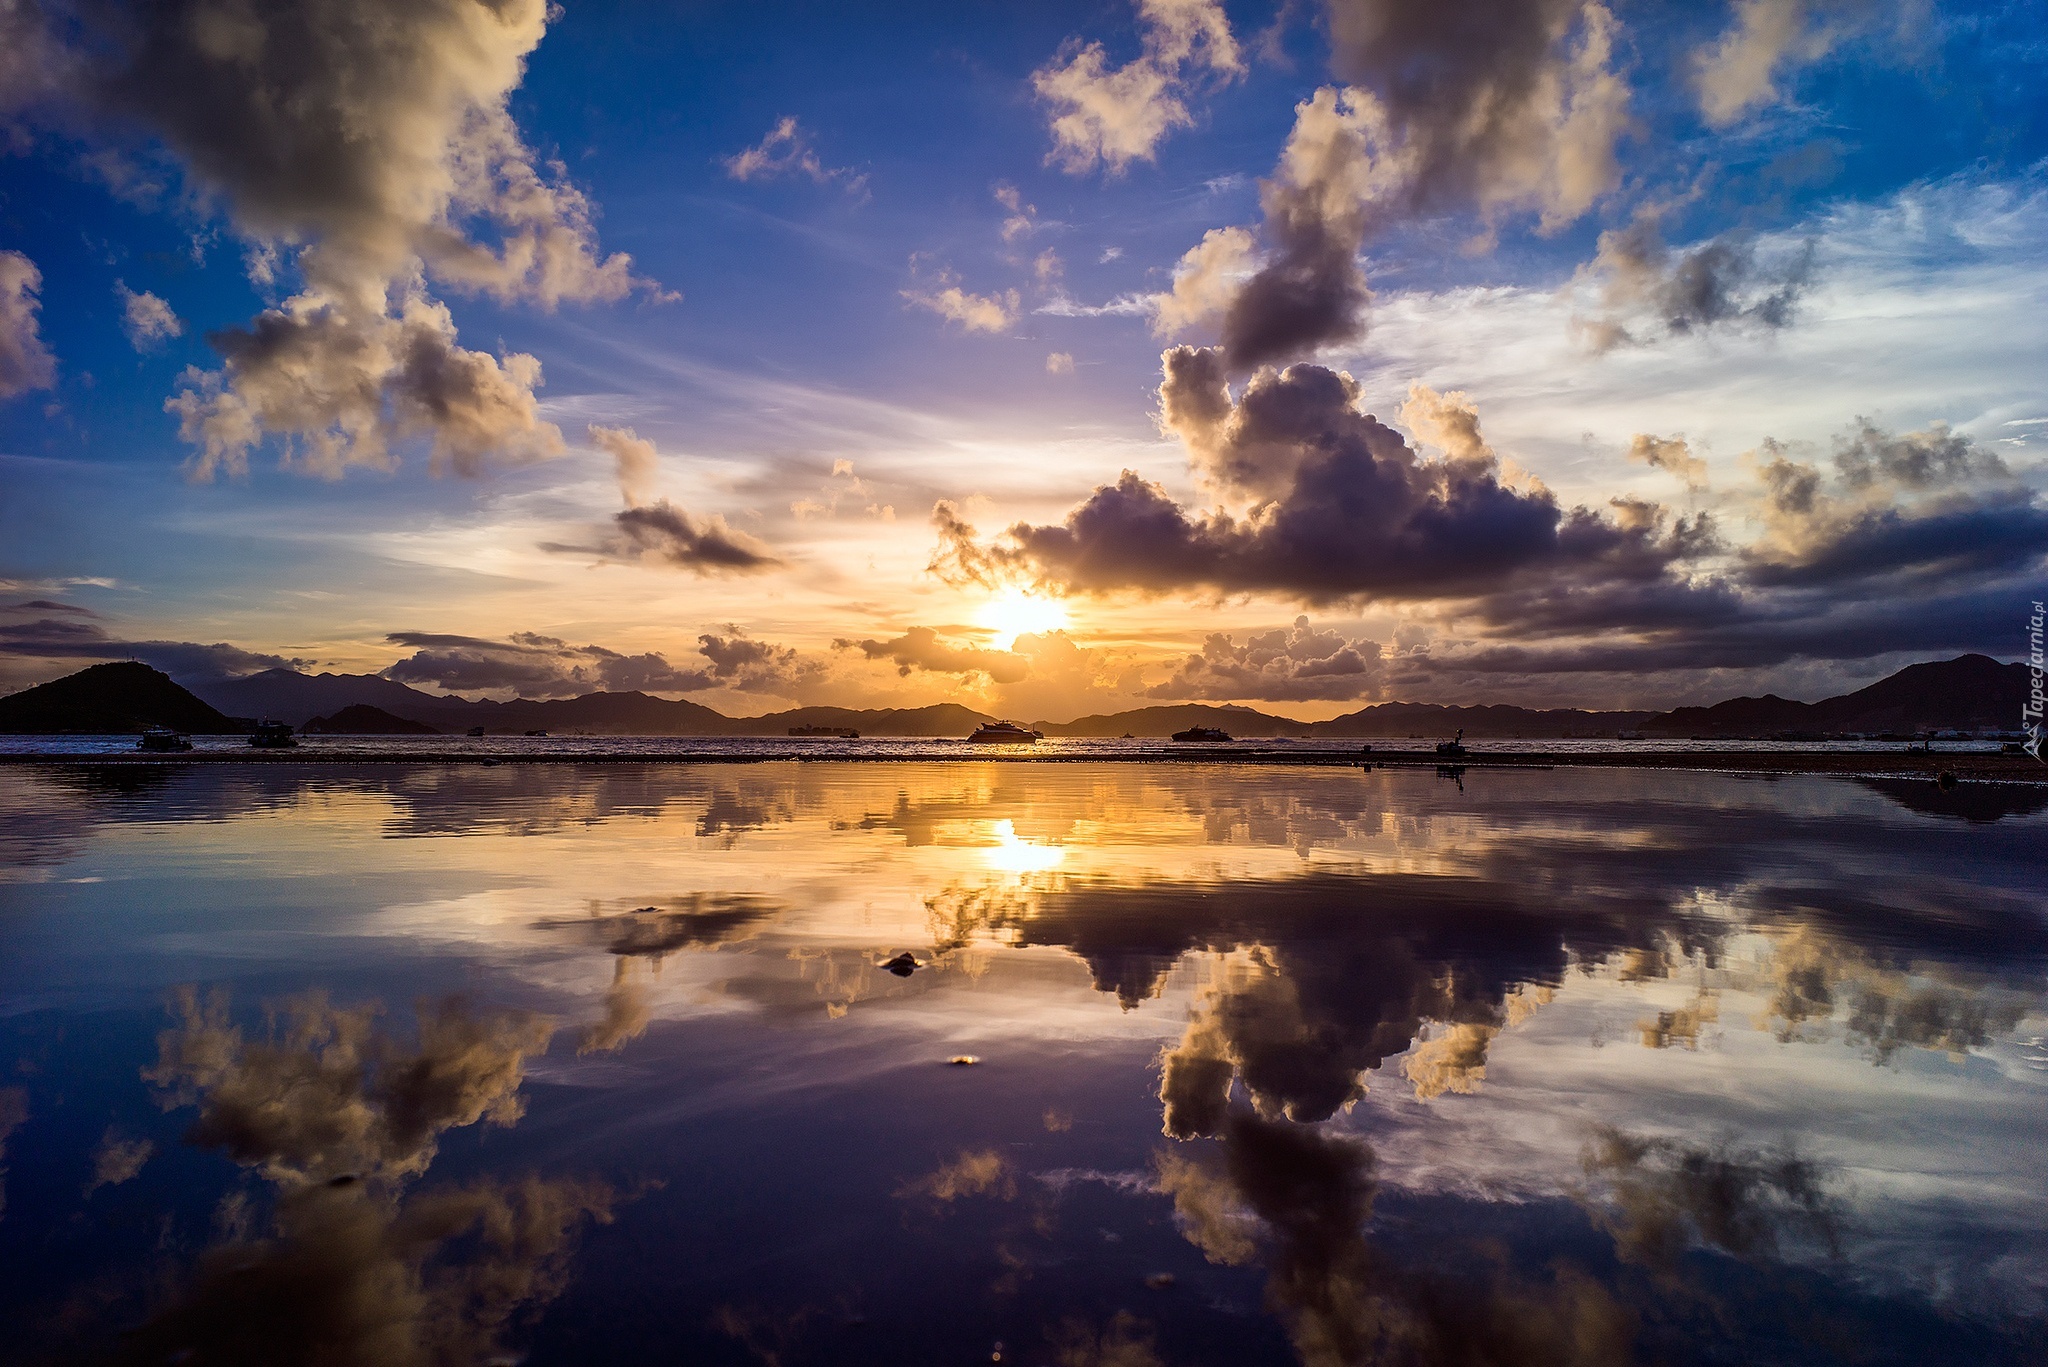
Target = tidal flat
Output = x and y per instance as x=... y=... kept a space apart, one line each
x=951 y=1061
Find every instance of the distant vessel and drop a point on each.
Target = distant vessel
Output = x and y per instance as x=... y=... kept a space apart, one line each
x=1454 y=747
x=834 y=732
x=273 y=735
x=1002 y=732
x=474 y=731
x=161 y=739
x=1203 y=733
x=536 y=733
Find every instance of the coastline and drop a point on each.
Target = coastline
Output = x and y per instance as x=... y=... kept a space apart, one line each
x=1964 y=766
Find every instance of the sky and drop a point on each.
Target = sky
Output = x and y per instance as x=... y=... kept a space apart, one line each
x=1051 y=359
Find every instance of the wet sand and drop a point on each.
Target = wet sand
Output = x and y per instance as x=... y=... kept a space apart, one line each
x=1963 y=766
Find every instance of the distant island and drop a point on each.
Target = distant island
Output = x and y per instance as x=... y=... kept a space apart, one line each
x=1967 y=694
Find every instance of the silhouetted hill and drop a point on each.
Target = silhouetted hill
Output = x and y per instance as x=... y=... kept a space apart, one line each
x=287 y=695
x=111 y=699
x=1501 y=721
x=361 y=719
x=1164 y=721
x=1968 y=693
x=594 y=714
x=940 y=719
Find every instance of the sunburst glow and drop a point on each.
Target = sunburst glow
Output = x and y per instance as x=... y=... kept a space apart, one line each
x=1015 y=613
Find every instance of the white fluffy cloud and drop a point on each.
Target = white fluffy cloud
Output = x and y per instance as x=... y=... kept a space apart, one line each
x=369 y=143
x=146 y=319
x=1111 y=116
x=25 y=363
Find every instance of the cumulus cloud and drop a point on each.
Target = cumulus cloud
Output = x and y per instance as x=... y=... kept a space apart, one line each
x=1645 y=288
x=118 y=1160
x=1670 y=454
x=973 y=312
x=1501 y=105
x=637 y=461
x=536 y=666
x=1498 y=108
x=786 y=150
x=1205 y=280
x=25 y=363
x=1341 y=507
x=1310 y=290
x=1287 y=665
x=372 y=147
x=147 y=320
x=923 y=649
x=1111 y=116
x=1925 y=505
x=1059 y=363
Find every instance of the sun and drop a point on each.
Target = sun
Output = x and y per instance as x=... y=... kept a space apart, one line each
x=1014 y=613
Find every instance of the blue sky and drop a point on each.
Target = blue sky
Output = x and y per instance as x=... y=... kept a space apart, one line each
x=1805 y=239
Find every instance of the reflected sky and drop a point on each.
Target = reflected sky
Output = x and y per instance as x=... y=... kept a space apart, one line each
x=601 y=1063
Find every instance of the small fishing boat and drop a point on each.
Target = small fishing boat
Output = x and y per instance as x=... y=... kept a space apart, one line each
x=824 y=733
x=1454 y=747
x=1003 y=733
x=162 y=740
x=536 y=733
x=1202 y=733
x=273 y=735
x=475 y=733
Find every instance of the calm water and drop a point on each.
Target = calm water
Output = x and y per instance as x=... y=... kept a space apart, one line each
x=595 y=1064
x=900 y=747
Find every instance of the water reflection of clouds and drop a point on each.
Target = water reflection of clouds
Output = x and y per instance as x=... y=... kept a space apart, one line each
x=1797 y=1008
x=351 y=1263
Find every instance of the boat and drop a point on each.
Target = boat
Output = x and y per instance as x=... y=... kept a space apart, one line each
x=536 y=733
x=825 y=732
x=273 y=735
x=1003 y=733
x=1202 y=733
x=475 y=732
x=163 y=740
x=1454 y=747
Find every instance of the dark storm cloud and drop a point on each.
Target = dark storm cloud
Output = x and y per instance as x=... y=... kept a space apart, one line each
x=1928 y=506
x=1646 y=288
x=1493 y=104
x=1297 y=664
x=52 y=638
x=665 y=534
x=536 y=666
x=1310 y=292
x=533 y=666
x=922 y=649
x=1915 y=540
x=1348 y=509
x=1496 y=107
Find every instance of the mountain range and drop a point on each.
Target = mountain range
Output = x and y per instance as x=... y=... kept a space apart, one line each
x=1970 y=692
